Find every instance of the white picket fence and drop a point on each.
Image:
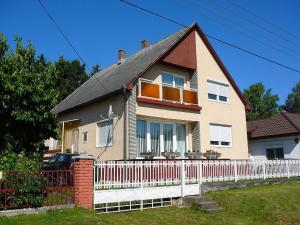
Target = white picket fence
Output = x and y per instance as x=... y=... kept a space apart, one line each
x=117 y=181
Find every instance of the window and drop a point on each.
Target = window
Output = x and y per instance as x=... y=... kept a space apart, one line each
x=218 y=91
x=160 y=137
x=168 y=137
x=105 y=133
x=220 y=135
x=141 y=132
x=274 y=153
x=173 y=80
x=85 y=137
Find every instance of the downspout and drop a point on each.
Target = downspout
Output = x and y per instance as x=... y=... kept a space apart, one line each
x=63 y=137
x=125 y=142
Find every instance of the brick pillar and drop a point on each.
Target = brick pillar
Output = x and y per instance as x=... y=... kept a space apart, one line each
x=83 y=181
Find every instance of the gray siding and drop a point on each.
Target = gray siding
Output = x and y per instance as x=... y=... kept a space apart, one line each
x=196 y=136
x=132 y=153
x=194 y=80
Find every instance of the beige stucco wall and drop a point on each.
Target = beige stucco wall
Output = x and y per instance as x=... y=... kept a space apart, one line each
x=232 y=113
x=89 y=116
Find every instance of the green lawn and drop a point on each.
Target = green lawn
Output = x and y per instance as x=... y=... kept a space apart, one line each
x=277 y=204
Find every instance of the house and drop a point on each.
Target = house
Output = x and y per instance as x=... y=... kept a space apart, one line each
x=275 y=138
x=169 y=98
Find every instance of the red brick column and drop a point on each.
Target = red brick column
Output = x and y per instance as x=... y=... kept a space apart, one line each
x=83 y=181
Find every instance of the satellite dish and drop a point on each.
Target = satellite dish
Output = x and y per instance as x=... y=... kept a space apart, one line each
x=110 y=112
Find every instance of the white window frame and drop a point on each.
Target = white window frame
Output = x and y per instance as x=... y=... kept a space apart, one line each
x=97 y=134
x=161 y=140
x=218 y=91
x=174 y=75
x=87 y=137
x=219 y=145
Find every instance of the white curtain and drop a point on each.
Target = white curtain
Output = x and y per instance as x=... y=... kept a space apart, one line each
x=141 y=131
x=181 y=138
x=155 y=137
x=168 y=137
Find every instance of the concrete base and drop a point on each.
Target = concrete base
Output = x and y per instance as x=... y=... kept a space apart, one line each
x=16 y=212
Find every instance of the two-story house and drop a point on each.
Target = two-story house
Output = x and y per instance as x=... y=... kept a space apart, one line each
x=174 y=96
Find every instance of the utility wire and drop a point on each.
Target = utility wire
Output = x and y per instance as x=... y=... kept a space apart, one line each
x=241 y=31
x=68 y=41
x=254 y=23
x=292 y=51
x=212 y=37
x=262 y=18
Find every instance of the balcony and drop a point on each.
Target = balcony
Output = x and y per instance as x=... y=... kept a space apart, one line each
x=164 y=94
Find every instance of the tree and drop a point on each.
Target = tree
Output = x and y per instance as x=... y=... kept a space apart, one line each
x=96 y=68
x=27 y=94
x=71 y=74
x=292 y=102
x=264 y=104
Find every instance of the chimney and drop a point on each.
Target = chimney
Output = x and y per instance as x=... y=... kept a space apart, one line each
x=121 y=54
x=144 y=43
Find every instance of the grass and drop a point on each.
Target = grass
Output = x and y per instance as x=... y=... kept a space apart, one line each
x=276 y=204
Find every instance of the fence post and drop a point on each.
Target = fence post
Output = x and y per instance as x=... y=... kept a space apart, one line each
x=235 y=171
x=264 y=169
x=182 y=177
x=287 y=168
x=200 y=177
x=141 y=185
x=83 y=181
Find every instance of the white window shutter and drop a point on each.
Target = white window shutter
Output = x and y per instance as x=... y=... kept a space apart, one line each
x=224 y=90
x=214 y=132
x=225 y=133
x=212 y=88
x=105 y=133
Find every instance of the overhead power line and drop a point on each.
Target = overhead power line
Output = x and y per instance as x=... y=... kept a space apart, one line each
x=68 y=40
x=212 y=37
x=263 y=19
x=239 y=28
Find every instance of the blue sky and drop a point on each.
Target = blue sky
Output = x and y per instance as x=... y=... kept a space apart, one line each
x=99 y=28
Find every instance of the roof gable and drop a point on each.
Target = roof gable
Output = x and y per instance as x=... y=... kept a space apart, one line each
x=183 y=54
x=120 y=76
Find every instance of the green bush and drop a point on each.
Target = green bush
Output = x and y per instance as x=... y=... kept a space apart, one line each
x=28 y=188
x=10 y=160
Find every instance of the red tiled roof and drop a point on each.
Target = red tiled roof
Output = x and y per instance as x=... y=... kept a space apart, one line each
x=282 y=124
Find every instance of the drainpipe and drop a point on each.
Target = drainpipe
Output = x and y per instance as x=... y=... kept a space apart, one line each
x=63 y=137
x=125 y=123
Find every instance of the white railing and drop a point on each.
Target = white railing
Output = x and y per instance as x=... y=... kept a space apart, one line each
x=143 y=174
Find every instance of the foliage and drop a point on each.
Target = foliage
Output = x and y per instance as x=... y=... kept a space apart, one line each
x=292 y=102
x=71 y=74
x=28 y=186
x=264 y=103
x=12 y=161
x=96 y=68
x=27 y=94
x=275 y=204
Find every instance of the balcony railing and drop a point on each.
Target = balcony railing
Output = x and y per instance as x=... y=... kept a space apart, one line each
x=165 y=92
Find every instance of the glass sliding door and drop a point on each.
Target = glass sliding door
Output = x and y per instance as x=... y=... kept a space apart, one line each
x=181 y=138
x=168 y=137
x=155 y=137
x=141 y=134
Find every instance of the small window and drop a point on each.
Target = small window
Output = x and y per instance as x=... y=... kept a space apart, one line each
x=220 y=135
x=105 y=133
x=274 y=153
x=85 y=137
x=218 y=91
x=173 y=79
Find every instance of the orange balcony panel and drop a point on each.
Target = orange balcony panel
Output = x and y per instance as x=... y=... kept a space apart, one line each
x=171 y=94
x=149 y=90
x=190 y=97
